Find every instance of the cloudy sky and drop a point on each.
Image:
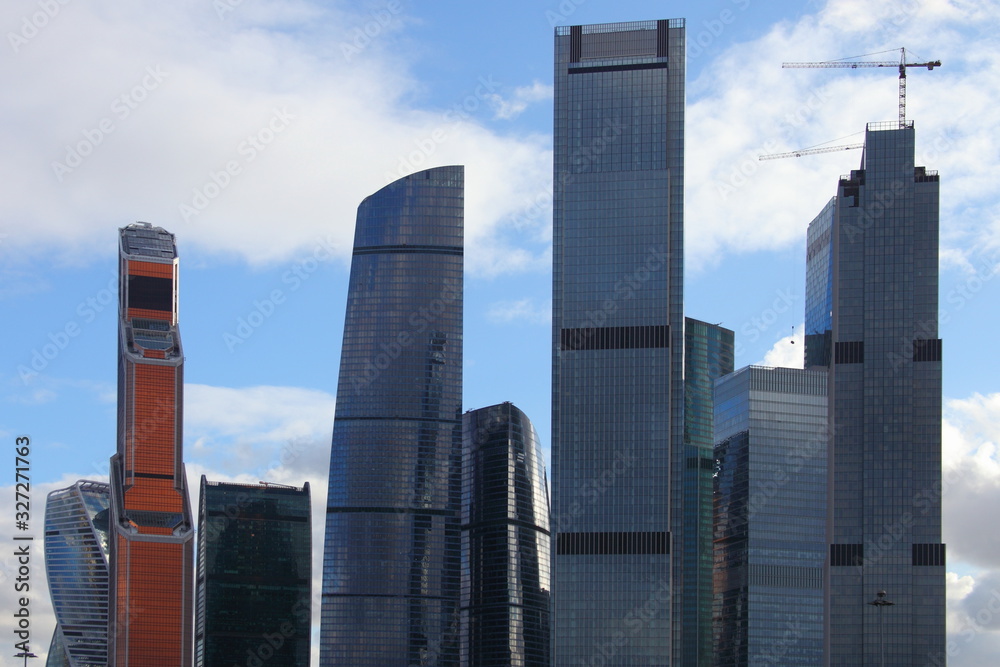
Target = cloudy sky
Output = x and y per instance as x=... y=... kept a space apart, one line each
x=253 y=128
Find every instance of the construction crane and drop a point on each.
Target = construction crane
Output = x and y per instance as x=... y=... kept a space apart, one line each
x=810 y=151
x=854 y=64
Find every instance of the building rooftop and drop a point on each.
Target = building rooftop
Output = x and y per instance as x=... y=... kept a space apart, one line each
x=142 y=238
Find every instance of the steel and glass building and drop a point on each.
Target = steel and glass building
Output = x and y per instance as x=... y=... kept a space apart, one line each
x=618 y=341
x=770 y=516
x=392 y=559
x=708 y=355
x=152 y=534
x=884 y=523
x=76 y=565
x=505 y=539
x=254 y=575
x=819 y=287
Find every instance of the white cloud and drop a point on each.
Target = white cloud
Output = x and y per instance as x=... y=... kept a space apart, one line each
x=787 y=352
x=973 y=619
x=270 y=140
x=507 y=109
x=971 y=472
x=520 y=310
x=745 y=104
x=258 y=430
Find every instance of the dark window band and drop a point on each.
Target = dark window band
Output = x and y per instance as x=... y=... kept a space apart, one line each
x=847 y=555
x=391 y=510
x=849 y=352
x=616 y=338
x=612 y=544
x=147 y=475
x=397 y=249
x=150 y=293
x=617 y=68
x=927 y=350
x=928 y=555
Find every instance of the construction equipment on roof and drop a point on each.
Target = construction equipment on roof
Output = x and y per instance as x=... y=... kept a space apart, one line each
x=854 y=64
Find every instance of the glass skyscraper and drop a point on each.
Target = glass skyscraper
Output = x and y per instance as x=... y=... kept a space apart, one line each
x=152 y=555
x=884 y=523
x=618 y=341
x=819 y=287
x=254 y=575
x=76 y=564
x=392 y=559
x=708 y=355
x=505 y=538
x=770 y=515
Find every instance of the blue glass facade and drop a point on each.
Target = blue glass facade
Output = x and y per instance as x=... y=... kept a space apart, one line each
x=708 y=355
x=392 y=558
x=253 y=601
x=884 y=524
x=770 y=516
x=819 y=288
x=505 y=537
x=618 y=341
x=76 y=562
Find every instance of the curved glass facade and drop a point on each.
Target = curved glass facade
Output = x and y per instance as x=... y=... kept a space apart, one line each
x=392 y=563
x=505 y=536
x=76 y=563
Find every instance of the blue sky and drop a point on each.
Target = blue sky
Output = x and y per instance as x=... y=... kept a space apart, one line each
x=253 y=129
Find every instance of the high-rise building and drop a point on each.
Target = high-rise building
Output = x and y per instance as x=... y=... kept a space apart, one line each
x=819 y=288
x=392 y=559
x=884 y=521
x=254 y=575
x=708 y=355
x=618 y=341
x=152 y=535
x=770 y=516
x=76 y=564
x=505 y=539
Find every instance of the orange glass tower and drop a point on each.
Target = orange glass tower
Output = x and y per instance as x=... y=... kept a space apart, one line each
x=152 y=547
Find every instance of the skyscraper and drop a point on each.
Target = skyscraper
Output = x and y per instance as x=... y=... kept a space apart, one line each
x=708 y=355
x=76 y=564
x=505 y=537
x=152 y=558
x=618 y=341
x=770 y=540
x=392 y=558
x=254 y=575
x=884 y=522
x=819 y=288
